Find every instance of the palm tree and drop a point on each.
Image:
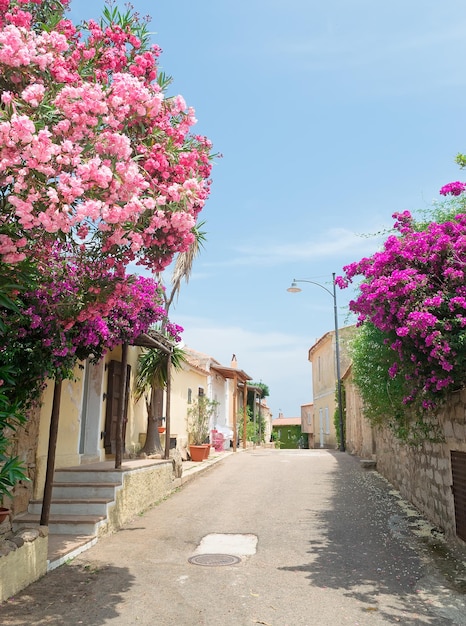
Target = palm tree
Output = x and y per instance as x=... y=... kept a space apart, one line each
x=151 y=380
x=184 y=264
x=154 y=365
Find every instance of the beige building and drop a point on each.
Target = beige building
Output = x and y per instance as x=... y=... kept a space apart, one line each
x=267 y=416
x=322 y=356
x=307 y=422
x=90 y=404
x=204 y=375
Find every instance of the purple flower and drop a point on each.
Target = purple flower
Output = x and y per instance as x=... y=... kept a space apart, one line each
x=454 y=189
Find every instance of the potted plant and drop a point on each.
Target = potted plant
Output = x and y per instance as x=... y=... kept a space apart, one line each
x=199 y=416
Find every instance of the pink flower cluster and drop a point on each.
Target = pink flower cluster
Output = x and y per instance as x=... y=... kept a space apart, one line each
x=414 y=290
x=91 y=149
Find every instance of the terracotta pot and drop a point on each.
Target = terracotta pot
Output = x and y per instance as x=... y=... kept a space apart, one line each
x=206 y=446
x=161 y=429
x=4 y=513
x=197 y=453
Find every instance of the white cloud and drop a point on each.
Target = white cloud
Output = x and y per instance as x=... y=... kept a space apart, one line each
x=336 y=242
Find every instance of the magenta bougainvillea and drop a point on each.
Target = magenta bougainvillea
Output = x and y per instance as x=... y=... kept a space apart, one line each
x=453 y=189
x=414 y=291
x=74 y=312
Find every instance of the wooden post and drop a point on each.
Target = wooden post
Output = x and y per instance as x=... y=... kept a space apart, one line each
x=119 y=443
x=245 y=413
x=235 y=393
x=53 y=436
x=167 y=407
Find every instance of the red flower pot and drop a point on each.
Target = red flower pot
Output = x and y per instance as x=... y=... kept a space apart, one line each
x=197 y=453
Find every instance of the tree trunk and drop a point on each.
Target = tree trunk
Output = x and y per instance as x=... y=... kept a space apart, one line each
x=152 y=444
x=53 y=436
x=167 y=408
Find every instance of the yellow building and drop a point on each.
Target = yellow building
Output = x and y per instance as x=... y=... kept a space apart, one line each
x=91 y=402
x=322 y=356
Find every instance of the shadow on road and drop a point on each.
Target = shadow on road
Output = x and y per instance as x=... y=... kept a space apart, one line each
x=361 y=544
x=71 y=595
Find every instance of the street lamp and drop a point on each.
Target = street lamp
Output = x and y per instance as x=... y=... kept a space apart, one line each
x=295 y=289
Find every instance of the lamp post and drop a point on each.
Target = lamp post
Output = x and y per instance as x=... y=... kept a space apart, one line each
x=295 y=289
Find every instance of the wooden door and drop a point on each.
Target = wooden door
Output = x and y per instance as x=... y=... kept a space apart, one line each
x=114 y=405
x=458 y=470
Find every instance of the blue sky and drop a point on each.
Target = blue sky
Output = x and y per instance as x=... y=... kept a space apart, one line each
x=330 y=117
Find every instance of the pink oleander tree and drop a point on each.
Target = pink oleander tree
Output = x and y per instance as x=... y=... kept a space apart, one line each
x=91 y=149
x=414 y=293
x=97 y=160
x=93 y=154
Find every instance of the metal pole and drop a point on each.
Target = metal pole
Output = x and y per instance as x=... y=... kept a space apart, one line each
x=337 y=356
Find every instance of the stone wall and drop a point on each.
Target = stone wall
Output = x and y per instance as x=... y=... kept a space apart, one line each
x=142 y=489
x=423 y=474
x=25 y=446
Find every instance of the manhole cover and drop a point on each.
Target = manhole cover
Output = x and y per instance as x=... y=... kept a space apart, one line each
x=212 y=560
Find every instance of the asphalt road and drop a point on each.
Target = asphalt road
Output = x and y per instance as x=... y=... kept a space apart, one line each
x=319 y=541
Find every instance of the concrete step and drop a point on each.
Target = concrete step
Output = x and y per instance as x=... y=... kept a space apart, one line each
x=83 y=490
x=63 y=524
x=71 y=475
x=72 y=506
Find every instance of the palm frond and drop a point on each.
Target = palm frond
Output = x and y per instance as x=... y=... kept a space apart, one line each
x=185 y=260
x=152 y=369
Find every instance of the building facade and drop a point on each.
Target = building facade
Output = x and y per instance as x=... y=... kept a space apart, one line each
x=322 y=356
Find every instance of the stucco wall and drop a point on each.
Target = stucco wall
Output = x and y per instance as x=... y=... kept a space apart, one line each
x=324 y=379
x=67 y=453
x=323 y=388
x=23 y=559
x=423 y=474
x=182 y=381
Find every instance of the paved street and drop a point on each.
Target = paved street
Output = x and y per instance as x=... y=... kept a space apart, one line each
x=320 y=541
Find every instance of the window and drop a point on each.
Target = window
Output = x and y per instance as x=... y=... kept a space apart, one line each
x=327 y=422
x=190 y=396
x=309 y=418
